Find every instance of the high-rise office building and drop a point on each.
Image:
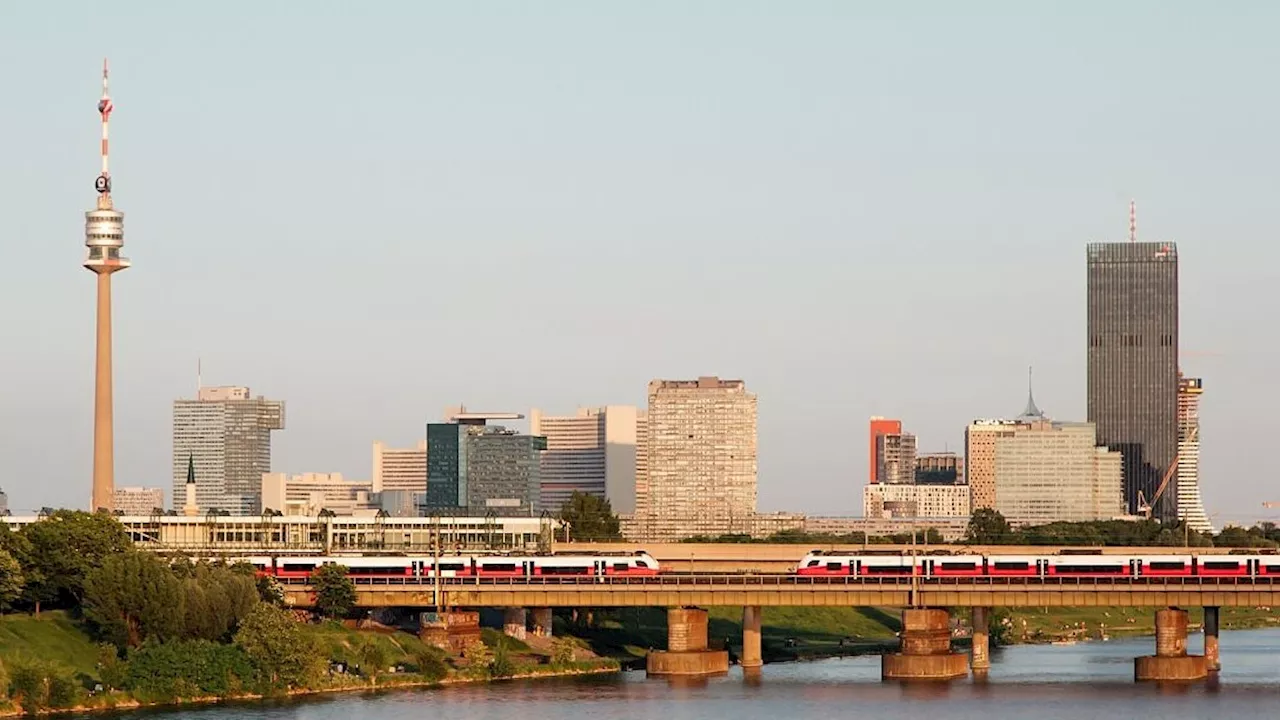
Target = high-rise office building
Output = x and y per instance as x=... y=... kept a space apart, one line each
x=597 y=452
x=138 y=500
x=309 y=493
x=400 y=468
x=702 y=455
x=1133 y=362
x=944 y=468
x=4 y=504
x=225 y=435
x=896 y=459
x=1036 y=471
x=879 y=426
x=1190 y=504
x=477 y=469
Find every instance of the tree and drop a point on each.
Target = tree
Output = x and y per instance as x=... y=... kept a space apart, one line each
x=281 y=654
x=270 y=590
x=335 y=593
x=373 y=658
x=131 y=597
x=988 y=527
x=11 y=580
x=590 y=517
x=501 y=666
x=215 y=599
x=65 y=546
x=478 y=655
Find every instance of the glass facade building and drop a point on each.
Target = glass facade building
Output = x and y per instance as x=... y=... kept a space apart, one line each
x=1133 y=363
x=480 y=469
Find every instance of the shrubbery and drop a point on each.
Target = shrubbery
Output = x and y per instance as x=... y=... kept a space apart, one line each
x=162 y=672
x=39 y=685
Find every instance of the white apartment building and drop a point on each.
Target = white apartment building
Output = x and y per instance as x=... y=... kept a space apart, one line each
x=883 y=501
x=702 y=456
x=136 y=501
x=400 y=468
x=309 y=493
x=599 y=451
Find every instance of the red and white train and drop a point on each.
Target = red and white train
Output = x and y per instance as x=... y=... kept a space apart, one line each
x=818 y=564
x=638 y=564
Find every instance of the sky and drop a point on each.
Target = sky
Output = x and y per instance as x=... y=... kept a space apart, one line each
x=859 y=208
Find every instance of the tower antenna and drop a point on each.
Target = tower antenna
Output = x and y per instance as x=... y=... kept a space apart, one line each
x=105 y=106
x=1133 y=221
x=199 y=378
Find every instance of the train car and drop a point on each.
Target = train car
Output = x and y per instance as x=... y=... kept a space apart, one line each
x=954 y=566
x=815 y=564
x=359 y=569
x=1016 y=565
x=1266 y=566
x=1163 y=565
x=450 y=566
x=640 y=564
x=1089 y=566
x=1225 y=565
x=885 y=565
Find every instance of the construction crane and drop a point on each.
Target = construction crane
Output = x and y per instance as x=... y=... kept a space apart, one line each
x=1144 y=507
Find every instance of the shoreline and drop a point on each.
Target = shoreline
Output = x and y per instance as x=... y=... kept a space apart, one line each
x=130 y=704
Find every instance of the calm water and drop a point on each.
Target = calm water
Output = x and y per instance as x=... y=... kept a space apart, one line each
x=1089 y=680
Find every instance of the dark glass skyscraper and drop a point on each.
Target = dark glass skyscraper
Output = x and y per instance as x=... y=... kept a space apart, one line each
x=1133 y=363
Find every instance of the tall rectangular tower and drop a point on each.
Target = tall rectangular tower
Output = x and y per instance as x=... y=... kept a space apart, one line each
x=1133 y=362
x=879 y=426
x=225 y=433
x=596 y=452
x=702 y=455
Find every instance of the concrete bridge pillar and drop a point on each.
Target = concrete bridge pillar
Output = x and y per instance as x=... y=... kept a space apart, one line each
x=926 y=649
x=513 y=623
x=751 y=655
x=1171 y=661
x=541 y=622
x=1211 y=661
x=687 y=652
x=980 y=662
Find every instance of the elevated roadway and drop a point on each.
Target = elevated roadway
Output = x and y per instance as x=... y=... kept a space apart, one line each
x=786 y=590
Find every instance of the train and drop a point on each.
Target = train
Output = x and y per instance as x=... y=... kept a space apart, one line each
x=423 y=568
x=819 y=564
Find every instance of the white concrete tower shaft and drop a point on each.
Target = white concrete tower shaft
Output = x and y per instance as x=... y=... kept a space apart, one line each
x=104 y=237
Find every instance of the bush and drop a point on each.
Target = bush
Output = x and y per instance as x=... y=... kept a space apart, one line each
x=373 y=658
x=38 y=685
x=431 y=664
x=478 y=656
x=501 y=665
x=563 y=650
x=113 y=671
x=164 y=672
x=281 y=654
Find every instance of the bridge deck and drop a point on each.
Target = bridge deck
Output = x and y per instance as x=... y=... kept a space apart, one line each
x=784 y=590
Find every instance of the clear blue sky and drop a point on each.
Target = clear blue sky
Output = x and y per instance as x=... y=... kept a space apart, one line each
x=861 y=209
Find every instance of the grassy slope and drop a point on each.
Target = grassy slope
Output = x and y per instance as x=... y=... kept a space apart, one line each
x=1051 y=623
x=53 y=636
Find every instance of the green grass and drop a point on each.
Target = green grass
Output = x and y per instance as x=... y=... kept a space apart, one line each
x=1052 y=623
x=340 y=643
x=53 y=636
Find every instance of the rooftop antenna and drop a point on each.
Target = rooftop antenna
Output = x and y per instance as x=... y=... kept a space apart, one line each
x=1133 y=221
x=199 y=378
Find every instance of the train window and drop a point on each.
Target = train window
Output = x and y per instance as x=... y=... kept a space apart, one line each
x=1094 y=569
x=812 y=563
x=296 y=567
x=1271 y=568
x=1165 y=565
x=1011 y=565
x=621 y=566
x=834 y=566
x=641 y=563
x=444 y=567
x=499 y=567
x=958 y=565
x=1220 y=565
x=883 y=570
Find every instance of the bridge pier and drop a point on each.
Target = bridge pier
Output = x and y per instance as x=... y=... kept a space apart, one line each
x=926 y=649
x=451 y=631
x=1171 y=661
x=1211 y=661
x=687 y=652
x=513 y=623
x=541 y=622
x=980 y=657
x=751 y=654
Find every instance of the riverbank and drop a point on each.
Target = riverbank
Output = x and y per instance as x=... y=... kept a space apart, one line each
x=59 y=644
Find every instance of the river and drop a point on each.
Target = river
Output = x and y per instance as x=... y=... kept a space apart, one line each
x=1035 y=682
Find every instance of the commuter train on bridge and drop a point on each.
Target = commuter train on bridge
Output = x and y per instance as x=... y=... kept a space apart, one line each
x=867 y=565
x=388 y=568
x=870 y=565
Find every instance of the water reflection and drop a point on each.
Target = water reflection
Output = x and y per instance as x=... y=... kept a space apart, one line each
x=1089 y=680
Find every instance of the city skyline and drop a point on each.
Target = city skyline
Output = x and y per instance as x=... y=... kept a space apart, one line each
x=781 y=297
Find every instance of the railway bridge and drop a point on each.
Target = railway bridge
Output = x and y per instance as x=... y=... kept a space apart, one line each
x=926 y=652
